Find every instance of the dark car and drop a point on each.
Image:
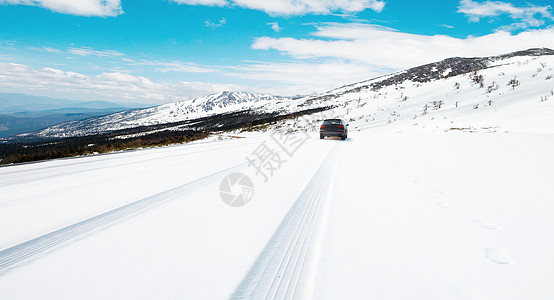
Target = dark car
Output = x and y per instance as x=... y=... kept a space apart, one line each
x=333 y=127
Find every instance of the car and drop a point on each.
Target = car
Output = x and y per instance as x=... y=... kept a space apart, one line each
x=334 y=128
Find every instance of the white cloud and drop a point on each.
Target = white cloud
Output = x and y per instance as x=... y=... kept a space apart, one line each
x=303 y=77
x=275 y=26
x=386 y=48
x=346 y=53
x=50 y=49
x=296 y=7
x=86 y=51
x=123 y=78
x=528 y=16
x=175 y=66
x=212 y=24
x=115 y=86
x=99 y=8
x=81 y=51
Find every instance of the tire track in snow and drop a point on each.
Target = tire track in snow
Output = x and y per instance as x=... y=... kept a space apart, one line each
x=284 y=268
x=22 y=253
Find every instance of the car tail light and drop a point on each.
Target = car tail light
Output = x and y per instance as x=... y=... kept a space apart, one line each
x=321 y=126
x=340 y=126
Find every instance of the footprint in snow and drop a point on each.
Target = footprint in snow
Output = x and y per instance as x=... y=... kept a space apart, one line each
x=486 y=225
x=498 y=256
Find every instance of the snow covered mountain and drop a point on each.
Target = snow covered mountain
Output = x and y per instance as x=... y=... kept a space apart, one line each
x=512 y=92
x=215 y=104
x=470 y=93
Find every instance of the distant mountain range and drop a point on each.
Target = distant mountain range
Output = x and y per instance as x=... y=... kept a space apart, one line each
x=212 y=105
x=21 y=113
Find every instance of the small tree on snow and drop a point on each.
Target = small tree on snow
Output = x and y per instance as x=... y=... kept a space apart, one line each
x=492 y=87
x=478 y=79
x=437 y=104
x=513 y=83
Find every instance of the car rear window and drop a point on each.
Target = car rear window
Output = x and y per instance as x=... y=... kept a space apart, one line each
x=332 y=122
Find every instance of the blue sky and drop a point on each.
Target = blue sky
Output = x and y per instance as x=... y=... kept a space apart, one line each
x=159 y=51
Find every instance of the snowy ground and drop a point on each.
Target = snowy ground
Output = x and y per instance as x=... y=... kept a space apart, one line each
x=382 y=215
x=514 y=95
x=442 y=191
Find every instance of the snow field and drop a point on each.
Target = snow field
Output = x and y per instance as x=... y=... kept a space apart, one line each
x=449 y=202
x=195 y=246
x=440 y=216
x=51 y=195
x=418 y=216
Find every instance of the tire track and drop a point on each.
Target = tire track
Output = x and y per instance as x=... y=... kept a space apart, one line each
x=26 y=251
x=284 y=268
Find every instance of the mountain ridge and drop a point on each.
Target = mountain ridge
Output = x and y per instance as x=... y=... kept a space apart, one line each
x=425 y=73
x=226 y=102
x=219 y=103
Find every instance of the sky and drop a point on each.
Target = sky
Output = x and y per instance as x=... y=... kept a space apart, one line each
x=160 y=51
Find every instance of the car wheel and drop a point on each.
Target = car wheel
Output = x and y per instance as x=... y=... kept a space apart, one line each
x=321 y=136
x=343 y=137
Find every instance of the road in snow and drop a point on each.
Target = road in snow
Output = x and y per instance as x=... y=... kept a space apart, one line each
x=380 y=216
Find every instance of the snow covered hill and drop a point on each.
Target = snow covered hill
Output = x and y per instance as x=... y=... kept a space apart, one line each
x=498 y=93
x=215 y=104
x=507 y=93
